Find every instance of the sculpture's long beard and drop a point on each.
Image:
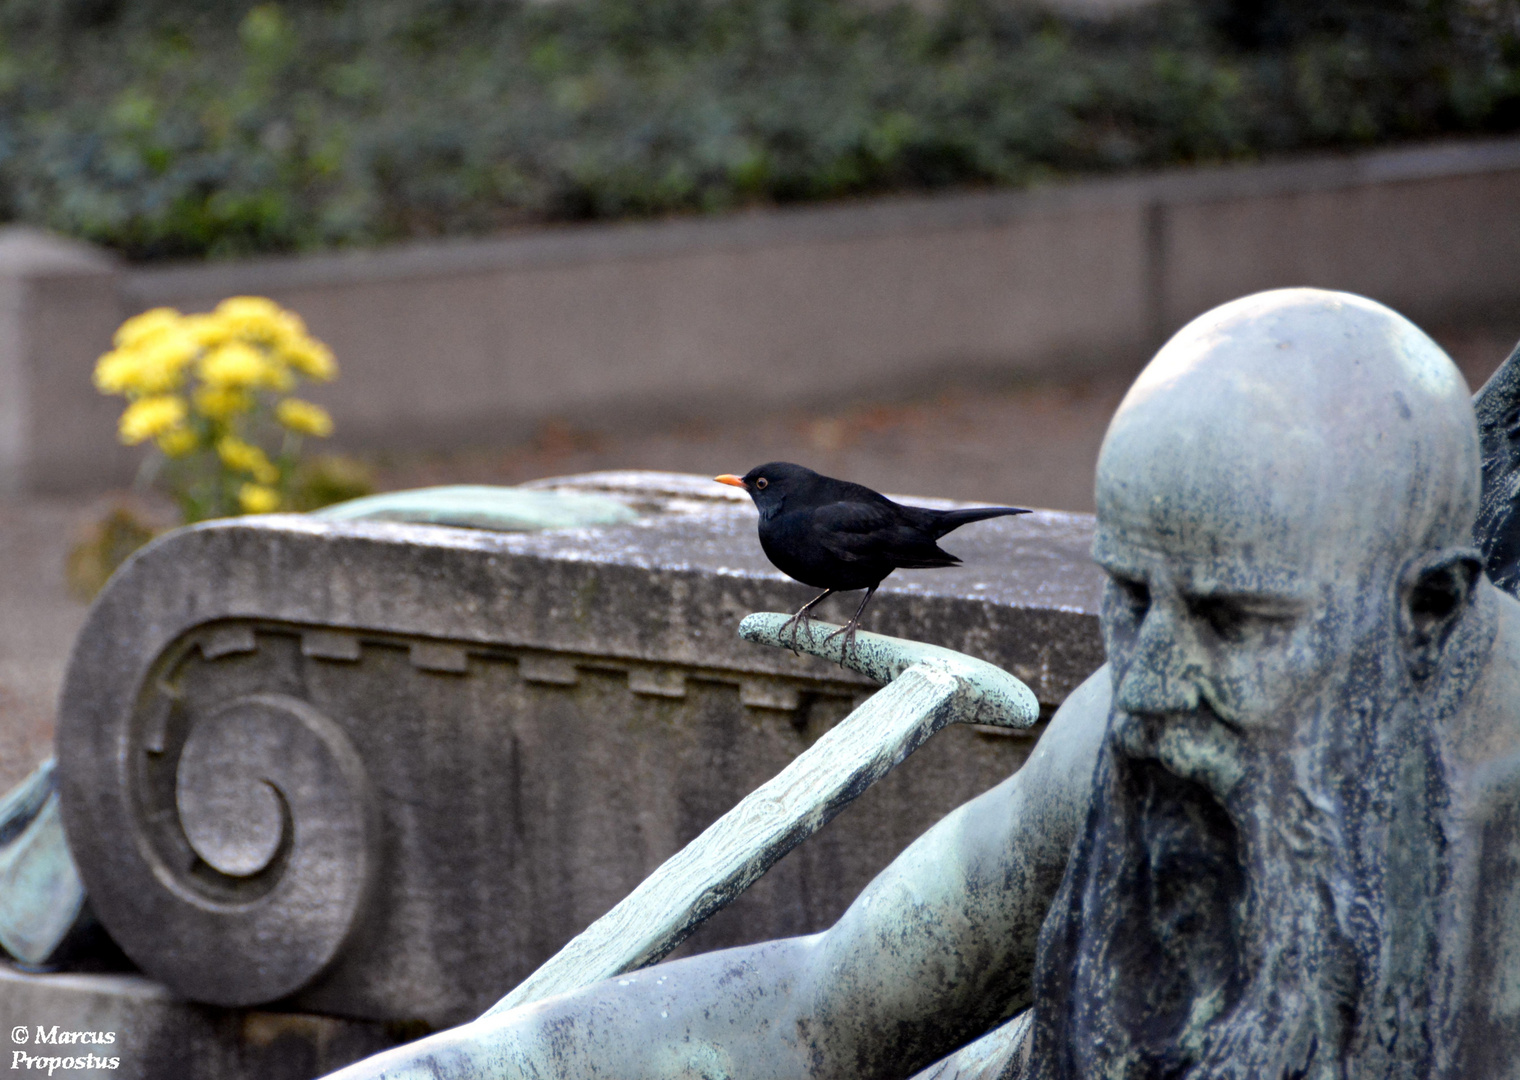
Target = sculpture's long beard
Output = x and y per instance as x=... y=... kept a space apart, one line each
x=1247 y=936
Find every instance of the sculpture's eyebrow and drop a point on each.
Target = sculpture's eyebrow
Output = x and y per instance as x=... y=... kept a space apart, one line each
x=1212 y=588
x=1116 y=565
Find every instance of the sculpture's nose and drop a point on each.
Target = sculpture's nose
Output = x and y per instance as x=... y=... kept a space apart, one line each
x=1159 y=675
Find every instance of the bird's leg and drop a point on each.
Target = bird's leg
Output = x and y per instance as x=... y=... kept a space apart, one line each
x=803 y=620
x=849 y=628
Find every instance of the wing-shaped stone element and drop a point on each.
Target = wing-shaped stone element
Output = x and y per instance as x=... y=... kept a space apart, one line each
x=1497 y=532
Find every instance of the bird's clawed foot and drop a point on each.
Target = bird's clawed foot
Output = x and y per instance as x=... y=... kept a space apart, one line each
x=793 y=626
x=849 y=628
x=803 y=620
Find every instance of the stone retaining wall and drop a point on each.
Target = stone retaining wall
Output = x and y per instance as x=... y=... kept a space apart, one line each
x=445 y=344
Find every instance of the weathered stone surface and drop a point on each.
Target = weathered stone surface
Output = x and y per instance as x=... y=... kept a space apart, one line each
x=931 y=688
x=500 y=736
x=275 y=810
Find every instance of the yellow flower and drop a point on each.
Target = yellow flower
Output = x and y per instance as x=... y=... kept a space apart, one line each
x=207 y=330
x=140 y=328
x=220 y=402
x=261 y=320
x=153 y=350
x=258 y=499
x=241 y=456
x=304 y=417
x=223 y=365
x=116 y=371
x=311 y=358
x=149 y=417
x=177 y=442
x=238 y=364
x=153 y=368
x=162 y=361
x=233 y=364
x=246 y=308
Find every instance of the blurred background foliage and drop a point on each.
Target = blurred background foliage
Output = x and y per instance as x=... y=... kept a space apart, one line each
x=183 y=128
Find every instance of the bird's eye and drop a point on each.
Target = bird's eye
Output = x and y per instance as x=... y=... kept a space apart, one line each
x=762 y=482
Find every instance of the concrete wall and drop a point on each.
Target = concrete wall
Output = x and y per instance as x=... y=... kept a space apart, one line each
x=446 y=344
x=59 y=304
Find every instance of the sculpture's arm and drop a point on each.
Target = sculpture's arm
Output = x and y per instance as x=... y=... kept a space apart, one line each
x=940 y=947
x=42 y=903
x=935 y=950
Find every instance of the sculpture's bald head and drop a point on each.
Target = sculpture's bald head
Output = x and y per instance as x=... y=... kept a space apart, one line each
x=1319 y=423
x=1284 y=467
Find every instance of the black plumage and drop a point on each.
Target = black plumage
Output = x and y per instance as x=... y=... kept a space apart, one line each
x=838 y=536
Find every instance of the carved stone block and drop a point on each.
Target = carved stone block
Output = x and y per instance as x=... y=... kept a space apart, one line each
x=383 y=771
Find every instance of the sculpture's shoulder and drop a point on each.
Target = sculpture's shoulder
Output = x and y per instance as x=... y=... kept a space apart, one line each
x=1484 y=732
x=1057 y=780
x=1481 y=936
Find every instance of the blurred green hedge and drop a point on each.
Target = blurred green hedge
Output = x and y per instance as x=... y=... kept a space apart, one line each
x=174 y=128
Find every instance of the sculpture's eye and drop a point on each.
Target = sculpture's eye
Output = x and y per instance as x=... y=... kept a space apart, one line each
x=1224 y=617
x=1136 y=595
x=762 y=483
x=1232 y=619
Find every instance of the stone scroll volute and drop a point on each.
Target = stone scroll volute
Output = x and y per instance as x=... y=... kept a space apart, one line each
x=248 y=838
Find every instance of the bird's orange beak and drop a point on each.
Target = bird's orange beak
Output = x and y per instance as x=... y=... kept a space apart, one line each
x=730 y=479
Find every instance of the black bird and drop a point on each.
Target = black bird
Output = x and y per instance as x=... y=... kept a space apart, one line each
x=838 y=536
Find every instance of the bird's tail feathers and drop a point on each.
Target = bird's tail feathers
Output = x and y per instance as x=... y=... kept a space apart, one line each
x=954 y=519
x=939 y=558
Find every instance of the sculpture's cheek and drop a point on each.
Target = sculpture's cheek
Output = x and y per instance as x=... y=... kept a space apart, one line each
x=1258 y=684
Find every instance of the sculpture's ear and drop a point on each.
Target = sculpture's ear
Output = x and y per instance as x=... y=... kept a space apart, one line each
x=1435 y=592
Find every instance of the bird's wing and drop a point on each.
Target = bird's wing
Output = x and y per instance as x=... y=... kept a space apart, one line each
x=841 y=526
x=876 y=532
x=1497 y=532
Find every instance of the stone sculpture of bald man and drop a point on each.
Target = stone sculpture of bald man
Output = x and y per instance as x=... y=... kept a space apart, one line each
x=1277 y=835
x=1293 y=619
